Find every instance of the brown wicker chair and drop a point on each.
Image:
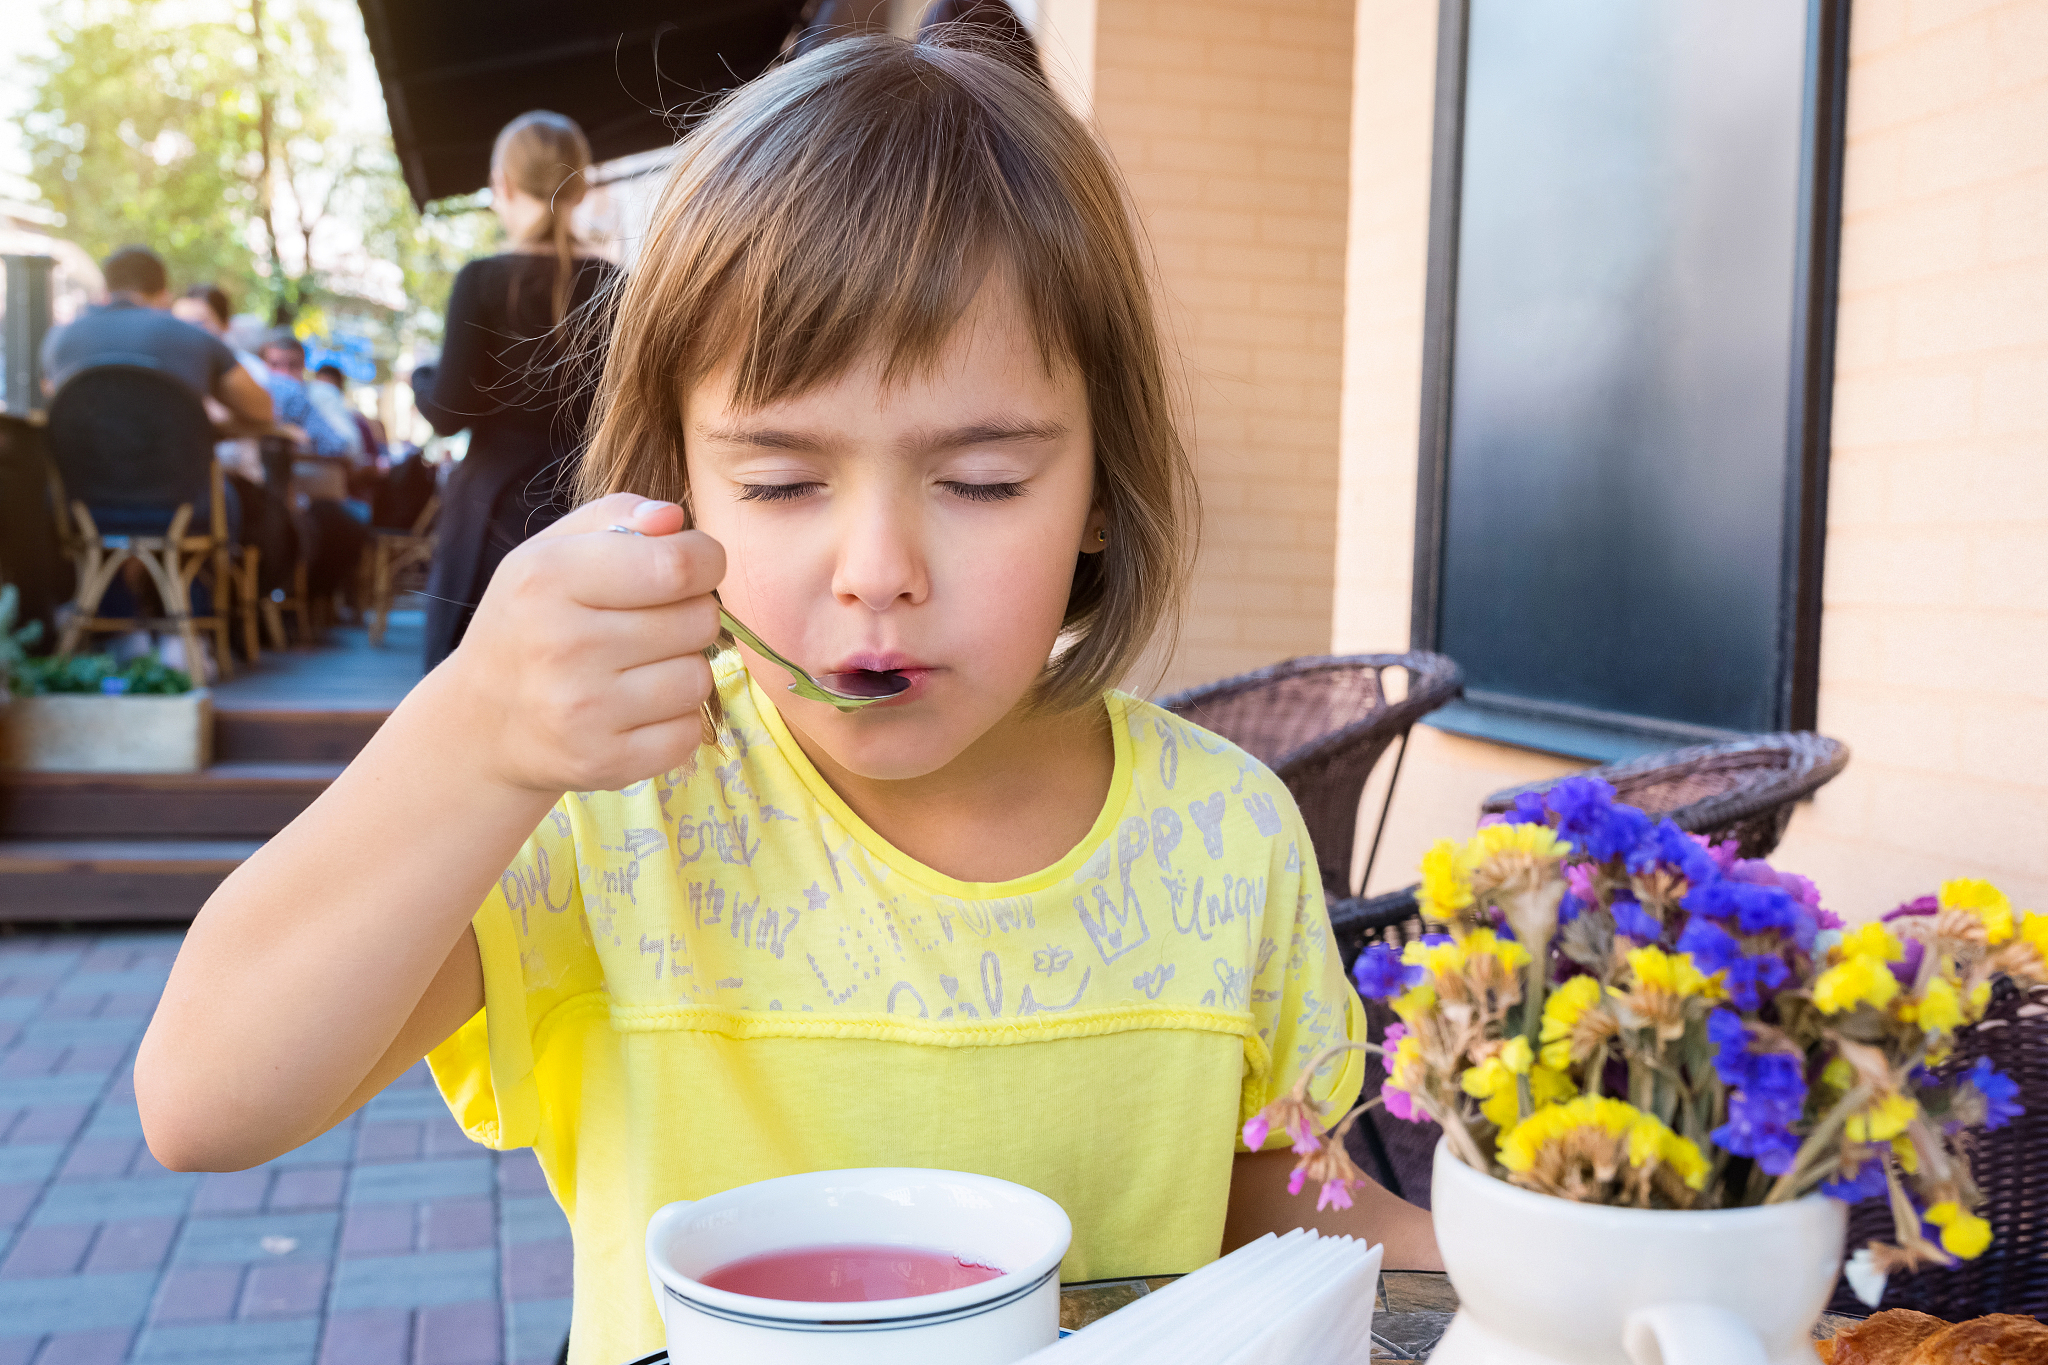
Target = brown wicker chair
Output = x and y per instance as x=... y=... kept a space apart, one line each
x=1321 y=723
x=1743 y=790
x=2011 y=1167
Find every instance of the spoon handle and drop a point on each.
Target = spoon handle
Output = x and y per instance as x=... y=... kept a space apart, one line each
x=740 y=632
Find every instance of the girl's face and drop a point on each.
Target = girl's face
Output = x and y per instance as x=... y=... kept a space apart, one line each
x=928 y=527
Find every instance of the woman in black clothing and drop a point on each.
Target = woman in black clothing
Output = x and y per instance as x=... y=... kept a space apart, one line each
x=509 y=371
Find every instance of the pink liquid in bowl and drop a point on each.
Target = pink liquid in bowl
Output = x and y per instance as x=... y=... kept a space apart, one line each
x=847 y=1274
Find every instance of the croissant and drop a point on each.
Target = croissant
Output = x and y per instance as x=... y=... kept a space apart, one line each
x=1899 y=1336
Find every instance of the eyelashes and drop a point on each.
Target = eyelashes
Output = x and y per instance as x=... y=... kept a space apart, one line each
x=791 y=492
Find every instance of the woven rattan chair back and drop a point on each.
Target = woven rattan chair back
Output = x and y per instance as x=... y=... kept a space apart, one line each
x=2011 y=1167
x=1743 y=789
x=1321 y=724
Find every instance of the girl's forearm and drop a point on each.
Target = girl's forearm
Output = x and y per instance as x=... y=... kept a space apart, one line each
x=309 y=961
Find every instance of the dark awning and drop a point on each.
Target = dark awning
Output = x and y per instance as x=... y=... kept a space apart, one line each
x=456 y=71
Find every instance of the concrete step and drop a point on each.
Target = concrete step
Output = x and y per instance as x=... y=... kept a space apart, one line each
x=111 y=879
x=226 y=801
x=281 y=734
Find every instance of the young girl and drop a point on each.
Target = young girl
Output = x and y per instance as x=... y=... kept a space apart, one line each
x=888 y=352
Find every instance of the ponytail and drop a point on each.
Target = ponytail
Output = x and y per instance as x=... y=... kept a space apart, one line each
x=546 y=155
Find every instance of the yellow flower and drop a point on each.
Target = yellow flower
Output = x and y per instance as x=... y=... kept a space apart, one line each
x=1839 y=1074
x=1983 y=900
x=1882 y=1121
x=1492 y=1082
x=1874 y=939
x=1672 y=973
x=1937 y=1010
x=1513 y=956
x=1907 y=1153
x=1438 y=959
x=1516 y=1056
x=2034 y=929
x=1530 y=841
x=1854 y=981
x=1562 y=1010
x=1415 y=1002
x=1646 y=1138
x=1446 y=886
x=1962 y=1234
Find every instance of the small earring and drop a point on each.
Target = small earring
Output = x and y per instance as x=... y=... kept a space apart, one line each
x=1101 y=536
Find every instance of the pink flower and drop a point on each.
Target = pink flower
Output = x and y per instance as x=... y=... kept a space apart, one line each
x=1400 y=1104
x=1336 y=1194
x=1295 y=1179
x=1255 y=1130
x=1579 y=876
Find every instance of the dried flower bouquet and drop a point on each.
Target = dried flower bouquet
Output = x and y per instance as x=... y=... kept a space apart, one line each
x=1616 y=1012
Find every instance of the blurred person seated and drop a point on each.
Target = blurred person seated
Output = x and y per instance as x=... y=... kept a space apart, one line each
x=371 y=464
x=331 y=536
x=135 y=327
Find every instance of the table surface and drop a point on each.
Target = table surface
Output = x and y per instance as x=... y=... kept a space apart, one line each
x=1410 y=1314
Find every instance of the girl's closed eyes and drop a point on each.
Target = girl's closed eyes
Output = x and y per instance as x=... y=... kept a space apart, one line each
x=790 y=492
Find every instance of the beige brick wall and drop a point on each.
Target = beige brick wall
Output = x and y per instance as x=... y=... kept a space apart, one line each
x=1934 y=650
x=1230 y=118
x=1935 y=628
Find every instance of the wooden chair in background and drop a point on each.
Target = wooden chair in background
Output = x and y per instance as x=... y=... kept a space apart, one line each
x=393 y=554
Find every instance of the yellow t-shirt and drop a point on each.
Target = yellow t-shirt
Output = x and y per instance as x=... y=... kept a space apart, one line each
x=722 y=975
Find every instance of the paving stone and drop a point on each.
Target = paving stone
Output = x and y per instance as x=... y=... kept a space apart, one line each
x=17 y=1350
x=140 y=981
x=208 y=1241
x=284 y=1291
x=314 y=1187
x=519 y=1173
x=33 y=987
x=129 y=1005
x=416 y=1281
x=16 y=1201
x=73 y=1007
x=420 y=1180
x=146 y=1166
x=539 y=1270
x=232 y=1343
x=458 y=1224
x=377 y=1229
x=458 y=1334
x=98 y=1158
x=28 y=1092
x=374 y=1337
x=18 y=1007
x=31 y=1059
x=77 y=1032
x=233 y=1191
x=93 y=1059
x=537 y=1328
x=10 y=1033
x=416 y=1105
x=53 y=1121
x=75 y=1303
x=446 y=1138
x=390 y=1141
x=29 y=1161
x=48 y=1251
x=198 y=1294
x=96 y=1201
x=115 y=1118
x=332 y=1147
x=109 y=1346
x=531 y=1219
x=131 y=1244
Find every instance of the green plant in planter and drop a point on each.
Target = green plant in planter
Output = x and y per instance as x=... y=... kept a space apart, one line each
x=14 y=640
x=98 y=673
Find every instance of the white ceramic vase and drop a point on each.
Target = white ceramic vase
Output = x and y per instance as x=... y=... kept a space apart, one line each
x=1545 y=1281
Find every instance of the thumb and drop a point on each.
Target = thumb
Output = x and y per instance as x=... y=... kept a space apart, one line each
x=649 y=516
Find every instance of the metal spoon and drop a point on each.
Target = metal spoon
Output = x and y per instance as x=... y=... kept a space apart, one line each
x=805 y=685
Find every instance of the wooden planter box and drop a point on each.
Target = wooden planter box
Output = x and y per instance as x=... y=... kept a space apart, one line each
x=88 y=734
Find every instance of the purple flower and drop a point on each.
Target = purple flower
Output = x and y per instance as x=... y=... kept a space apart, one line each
x=1867 y=1183
x=1527 y=810
x=1926 y=905
x=1754 y=1130
x=1672 y=847
x=2000 y=1092
x=1767 y=1094
x=1907 y=968
x=1256 y=1130
x=1631 y=920
x=1760 y=873
x=1381 y=974
x=1588 y=817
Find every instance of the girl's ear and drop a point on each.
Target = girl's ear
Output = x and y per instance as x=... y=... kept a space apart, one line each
x=1095 y=534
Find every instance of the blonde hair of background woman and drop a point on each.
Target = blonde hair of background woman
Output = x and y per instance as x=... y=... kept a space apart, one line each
x=545 y=155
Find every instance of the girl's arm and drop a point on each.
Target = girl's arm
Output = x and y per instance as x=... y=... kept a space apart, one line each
x=341 y=952
x=1260 y=1203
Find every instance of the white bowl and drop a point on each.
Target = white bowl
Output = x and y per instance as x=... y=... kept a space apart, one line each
x=979 y=1218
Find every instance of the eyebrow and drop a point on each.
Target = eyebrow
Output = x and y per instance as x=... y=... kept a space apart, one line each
x=999 y=432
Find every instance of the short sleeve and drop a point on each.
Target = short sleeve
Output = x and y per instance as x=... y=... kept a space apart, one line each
x=220 y=360
x=1302 y=1005
x=534 y=944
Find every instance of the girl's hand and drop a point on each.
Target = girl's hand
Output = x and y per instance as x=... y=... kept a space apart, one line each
x=583 y=669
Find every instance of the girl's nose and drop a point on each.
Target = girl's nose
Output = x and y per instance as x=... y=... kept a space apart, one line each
x=881 y=559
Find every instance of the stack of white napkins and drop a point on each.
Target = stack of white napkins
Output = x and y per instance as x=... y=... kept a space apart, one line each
x=1276 y=1301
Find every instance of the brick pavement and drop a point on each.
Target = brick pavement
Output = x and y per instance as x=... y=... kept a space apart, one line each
x=391 y=1240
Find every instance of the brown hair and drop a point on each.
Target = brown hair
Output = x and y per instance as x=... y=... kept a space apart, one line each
x=857 y=198
x=545 y=155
